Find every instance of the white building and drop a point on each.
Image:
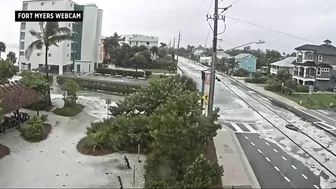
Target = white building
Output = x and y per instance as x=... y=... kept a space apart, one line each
x=85 y=47
x=138 y=40
x=285 y=64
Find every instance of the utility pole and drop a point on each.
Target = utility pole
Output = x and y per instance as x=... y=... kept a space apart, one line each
x=174 y=43
x=178 y=45
x=215 y=18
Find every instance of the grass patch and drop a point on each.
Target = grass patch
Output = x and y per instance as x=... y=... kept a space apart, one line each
x=323 y=100
x=157 y=70
x=69 y=111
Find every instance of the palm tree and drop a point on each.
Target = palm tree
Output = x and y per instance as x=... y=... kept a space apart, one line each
x=50 y=34
x=2 y=48
x=11 y=57
x=154 y=50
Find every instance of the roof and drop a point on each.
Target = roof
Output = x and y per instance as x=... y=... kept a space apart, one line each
x=143 y=38
x=243 y=55
x=16 y=95
x=222 y=54
x=307 y=63
x=319 y=49
x=287 y=62
x=199 y=48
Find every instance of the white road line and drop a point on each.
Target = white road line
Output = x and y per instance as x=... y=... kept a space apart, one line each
x=316 y=186
x=260 y=137
x=268 y=159
x=234 y=125
x=275 y=167
x=324 y=116
x=324 y=112
x=250 y=128
x=252 y=143
x=267 y=143
x=284 y=158
x=287 y=179
x=275 y=150
x=304 y=176
x=246 y=137
x=259 y=151
x=294 y=167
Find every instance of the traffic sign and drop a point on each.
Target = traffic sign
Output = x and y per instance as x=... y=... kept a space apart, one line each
x=205 y=98
x=207 y=79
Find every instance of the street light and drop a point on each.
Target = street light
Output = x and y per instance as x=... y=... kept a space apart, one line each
x=213 y=72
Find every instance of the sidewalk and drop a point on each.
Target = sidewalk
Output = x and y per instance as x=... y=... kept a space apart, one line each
x=230 y=155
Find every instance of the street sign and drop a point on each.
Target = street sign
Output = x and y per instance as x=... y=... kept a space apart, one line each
x=311 y=88
x=207 y=79
x=205 y=98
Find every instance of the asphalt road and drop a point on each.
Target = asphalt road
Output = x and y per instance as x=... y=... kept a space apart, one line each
x=274 y=168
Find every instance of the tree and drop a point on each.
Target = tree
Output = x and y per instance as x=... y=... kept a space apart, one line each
x=122 y=58
x=7 y=71
x=142 y=48
x=162 y=52
x=154 y=50
x=111 y=47
x=49 y=35
x=163 y=45
x=71 y=87
x=2 y=48
x=11 y=57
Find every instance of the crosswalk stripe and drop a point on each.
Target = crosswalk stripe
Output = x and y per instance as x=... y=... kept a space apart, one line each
x=238 y=129
x=249 y=127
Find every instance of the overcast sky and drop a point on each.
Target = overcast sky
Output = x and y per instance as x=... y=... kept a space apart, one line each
x=313 y=20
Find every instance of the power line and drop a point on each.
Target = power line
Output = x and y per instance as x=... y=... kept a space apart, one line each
x=278 y=128
x=270 y=29
x=207 y=38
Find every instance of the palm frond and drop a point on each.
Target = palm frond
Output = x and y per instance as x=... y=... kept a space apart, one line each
x=51 y=29
x=63 y=30
x=36 y=34
x=38 y=44
x=58 y=38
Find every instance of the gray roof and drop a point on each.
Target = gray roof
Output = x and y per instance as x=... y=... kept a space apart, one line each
x=320 y=49
x=143 y=38
x=222 y=54
x=287 y=62
x=243 y=55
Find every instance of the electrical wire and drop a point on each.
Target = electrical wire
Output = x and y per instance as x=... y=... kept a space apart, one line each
x=278 y=129
x=206 y=41
x=270 y=29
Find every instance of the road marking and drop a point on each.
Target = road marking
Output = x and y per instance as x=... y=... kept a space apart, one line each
x=260 y=137
x=325 y=116
x=304 y=176
x=259 y=151
x=236 y=127
x=294 y=167
x=316 y=186
x=267 y=143
x=275 y=150
x=250 y=128
x=324 y=112
x=252 y=143
x=246 y=137
x=287 y=179
x=275 y=167
x=268 y=159
x=284 y=158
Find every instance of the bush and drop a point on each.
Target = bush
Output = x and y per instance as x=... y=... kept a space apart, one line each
x=302 y=89
x=272 y=86
x=117 y=88
x=163 y=64
x=148 y=73
x=261 y=80
x=34 y=130
x=69 y=111
x=124 y=73
x=241 y=73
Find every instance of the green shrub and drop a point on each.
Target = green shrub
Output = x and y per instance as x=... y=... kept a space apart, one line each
x=302 y=89
x=241 y=73
x=261 y=80
x=117 y=88
x=69 y=111
x=272 y=86
x=148 y=73
x=163 y=64
x=124 y=73
x=34 y=129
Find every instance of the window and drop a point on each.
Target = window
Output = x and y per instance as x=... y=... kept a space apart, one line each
x=23 y=25
x=71 y=5
x=320 y=58
x=68 y=45
x=38 y=54
x=325 y=69
x=21 y=53
x=49 y=54
x=53 y=3
x=318 y=71
x=147 y=43
x=69 y=25
x=42 y=4
x=25 y=6
x=22 y=45
x=334 y=67
x=22 y=35
x=310 y=56
x=67 y=55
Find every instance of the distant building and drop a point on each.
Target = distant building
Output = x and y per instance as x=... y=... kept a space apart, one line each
x=198 y=51
x=102 y=49
x=138 y=40
x=222 y=54
x=84 y=49
x=246 y=61
x=285 y=64
x=205 y=60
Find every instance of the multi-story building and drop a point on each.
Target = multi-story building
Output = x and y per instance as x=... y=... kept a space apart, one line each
x=246 y=61
x=316 y=65
x=102 y=49
x=284 y=64
x=138 y=40
x=81 y=54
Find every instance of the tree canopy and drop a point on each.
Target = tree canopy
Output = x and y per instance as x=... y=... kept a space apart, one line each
x=11 y=57
x=7 y=71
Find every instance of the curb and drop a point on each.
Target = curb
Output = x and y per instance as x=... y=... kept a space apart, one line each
x=290 y=108
x=180 y=69
x=248 y=169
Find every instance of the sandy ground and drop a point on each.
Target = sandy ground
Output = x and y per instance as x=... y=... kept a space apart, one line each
x=55 y=162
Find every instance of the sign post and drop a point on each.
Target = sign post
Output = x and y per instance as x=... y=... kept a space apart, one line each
x=311 y=88
x=108 y=102
x=207 y=79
